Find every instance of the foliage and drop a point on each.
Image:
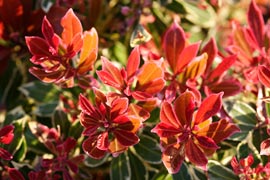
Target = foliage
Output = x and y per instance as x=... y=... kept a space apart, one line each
x=134 y=89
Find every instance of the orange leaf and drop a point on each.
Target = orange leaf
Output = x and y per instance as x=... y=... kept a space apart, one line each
x=149 y=72
x=89 y=51
x=71 y=26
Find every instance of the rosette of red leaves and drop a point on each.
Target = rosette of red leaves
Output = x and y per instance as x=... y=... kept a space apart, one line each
x=141 y=83
x=60 y=59
x=185 y=132
x=251 y=44
x=111 y=125
x=6 y=136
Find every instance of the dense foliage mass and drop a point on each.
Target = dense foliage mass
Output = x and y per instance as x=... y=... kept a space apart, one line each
x=134 y=89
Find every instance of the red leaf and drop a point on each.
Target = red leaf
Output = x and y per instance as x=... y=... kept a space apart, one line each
x=187 y=55
x=174 y=43
x=256 y=23
x=49 y=34
x=152 y=87
x=88 y=108
x=126 y=138
x=195 y=155
x=235 y=165
x=133 y=62
x=37 y=46
x=138 y=111
x=119 y=106
x=219 y=130
x=103 y=141
x=166 y=130
x=4 y=154
x=168 y=115
x=44 y=76
x=195 y=69
x=6 y=134
x=11 y=13
x=265 y=147
x=110 y=74
x=71 y=26
x=173 y=158
x=211 y=49
x=230 y=87
x=209 y=107
x=222 y=67
x=264 y=75
x=90 y=148
x=206 y=142
x=15 y=174
x=183 y=107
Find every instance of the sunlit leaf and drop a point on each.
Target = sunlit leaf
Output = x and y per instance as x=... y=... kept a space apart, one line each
x=264 y=75
x=209 y=107
x=174 y=43
x=133 y=62
x=256 y=22
x=71 y=26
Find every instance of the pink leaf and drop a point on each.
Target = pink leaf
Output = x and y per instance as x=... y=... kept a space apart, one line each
x=209 y=107
x=103 y=141
x=166 y=130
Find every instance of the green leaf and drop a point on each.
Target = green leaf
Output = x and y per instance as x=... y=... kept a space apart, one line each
x=120 y=52
x=138 y=169
x=75 y=130
x=21 y=152
x=148 y=149
x=33 y=143
x=243 y=115
x=16 y=113
x=17 y=142
x=46 y=110
x=183 y=173
x=60 y=119
x=90 y=162
x=163 y=175
x=219 y=172
x=40 y=91
x=120 y=168
x=202 y=17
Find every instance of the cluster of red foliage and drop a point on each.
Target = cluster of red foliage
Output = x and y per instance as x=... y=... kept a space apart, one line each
x=184 y=84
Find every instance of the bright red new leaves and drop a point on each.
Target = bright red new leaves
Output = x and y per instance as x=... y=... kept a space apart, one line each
x=140 y=83
x=185 y=132
x=6 y=136
x=61 y=59
x=109 y=124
